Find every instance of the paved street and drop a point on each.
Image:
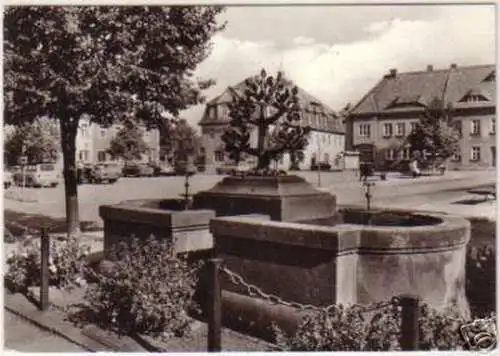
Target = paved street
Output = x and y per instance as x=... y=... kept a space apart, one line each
x=22 y=336
x=422 y=193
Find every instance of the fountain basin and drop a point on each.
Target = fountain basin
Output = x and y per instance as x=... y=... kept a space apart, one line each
x=344 y=263
x=162 y=218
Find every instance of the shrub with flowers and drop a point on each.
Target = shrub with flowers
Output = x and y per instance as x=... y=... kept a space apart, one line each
x=147 y=291
x=67 y=265
x=348 y=329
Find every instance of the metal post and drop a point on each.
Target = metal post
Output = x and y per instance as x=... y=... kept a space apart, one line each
x=186 y=190
x=214 y=306
x=409 y=322
x=44 y=270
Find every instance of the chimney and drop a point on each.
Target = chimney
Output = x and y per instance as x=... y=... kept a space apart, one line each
x=453 y=66
x=430 y=68
x=393 y=72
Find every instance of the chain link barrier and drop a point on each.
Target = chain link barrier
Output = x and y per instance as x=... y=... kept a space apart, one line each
x=254 y=291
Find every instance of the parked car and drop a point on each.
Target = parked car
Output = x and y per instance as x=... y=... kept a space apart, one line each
x=7 y=179
x=162 y=169
x=138 y=170
x=38 y=175
x=100 y=173
x=323 y=166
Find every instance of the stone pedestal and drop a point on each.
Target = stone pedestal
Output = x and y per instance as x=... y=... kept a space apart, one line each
x=283 y=198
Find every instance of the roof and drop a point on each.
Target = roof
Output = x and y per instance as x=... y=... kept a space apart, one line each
x=415 y=90
x=307 y=101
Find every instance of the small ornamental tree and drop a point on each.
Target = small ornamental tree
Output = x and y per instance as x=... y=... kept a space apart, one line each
x=128 y=143
x=107 y=62
x=434 y=134
x=269 y=105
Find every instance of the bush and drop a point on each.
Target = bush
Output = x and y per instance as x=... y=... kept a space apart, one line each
x=67 y=265
x=481 y=280
x=348 y=329
x=147 y=291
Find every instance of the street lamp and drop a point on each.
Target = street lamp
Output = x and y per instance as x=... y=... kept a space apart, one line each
x=318 y=160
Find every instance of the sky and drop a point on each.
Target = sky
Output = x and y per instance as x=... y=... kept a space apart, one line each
x=338 y=53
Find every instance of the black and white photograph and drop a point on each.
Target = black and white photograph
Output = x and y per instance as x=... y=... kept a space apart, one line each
x=249 y=178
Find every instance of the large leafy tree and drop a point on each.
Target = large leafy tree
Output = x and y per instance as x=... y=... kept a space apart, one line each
x=128 y=143
x=110 y=63
x=39 y=141
x=434 y=137
x=271 y=106
x=179 y=140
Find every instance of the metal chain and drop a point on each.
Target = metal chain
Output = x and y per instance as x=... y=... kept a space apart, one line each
x=255 y=291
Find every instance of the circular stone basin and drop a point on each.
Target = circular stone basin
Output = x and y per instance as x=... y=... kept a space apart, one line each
x=387 y=218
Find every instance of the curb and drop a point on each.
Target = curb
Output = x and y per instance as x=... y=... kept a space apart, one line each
x=39 y=323
x=90 y=337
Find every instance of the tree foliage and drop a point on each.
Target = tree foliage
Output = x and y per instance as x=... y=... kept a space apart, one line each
x=128 y=143
x=39 y=141
x=180 y=141
x=434 y=133
x=111 y=63
x=271 y=106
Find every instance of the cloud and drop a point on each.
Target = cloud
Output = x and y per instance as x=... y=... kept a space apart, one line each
x=345 y=71
x=301 y=40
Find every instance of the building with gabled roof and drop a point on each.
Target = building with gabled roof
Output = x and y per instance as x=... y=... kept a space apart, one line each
x=379 y=123
x=327 y=136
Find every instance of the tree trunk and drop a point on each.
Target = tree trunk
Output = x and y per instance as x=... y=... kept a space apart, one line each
x=264 y=161
x=68 y=140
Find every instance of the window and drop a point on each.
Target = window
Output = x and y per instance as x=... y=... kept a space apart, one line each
x=493 y=129
x=475 y=153
x=324 y=138
x=406 y=153
x=219 y=156
x=389 y=154
x=475 y=127
x=456 y=157
x=413 y=126
x=326 y=157
x=400 y=129
x=84 y=129
x=101 y=156
x=387 y=130
x=364 y=130
x=83 y=155
x=474 y=99
x=329 y=139
x=458 y=127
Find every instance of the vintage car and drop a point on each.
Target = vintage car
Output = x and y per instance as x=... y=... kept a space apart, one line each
x=99 y=173
x=37 y=175
x=162 y=169
x=7 y=179
x=132 y=169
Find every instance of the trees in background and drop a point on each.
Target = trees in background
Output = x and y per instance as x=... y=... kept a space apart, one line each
x=39 y=141
x=434 y=137
x=111 y=63
x=128 y=143
x=179 y=141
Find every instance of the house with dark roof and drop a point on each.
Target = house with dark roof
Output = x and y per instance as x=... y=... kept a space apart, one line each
x=325 y=144
x=379 y=123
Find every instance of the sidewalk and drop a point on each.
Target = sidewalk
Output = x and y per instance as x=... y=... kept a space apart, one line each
x=94 y=339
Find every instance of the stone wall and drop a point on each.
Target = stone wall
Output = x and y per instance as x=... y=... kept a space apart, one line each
x=346 y=263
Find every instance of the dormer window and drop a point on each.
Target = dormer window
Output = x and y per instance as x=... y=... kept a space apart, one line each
x=491 y=77
x=474 y=96
x=404 y=101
